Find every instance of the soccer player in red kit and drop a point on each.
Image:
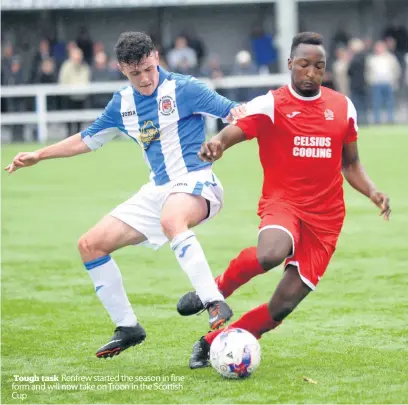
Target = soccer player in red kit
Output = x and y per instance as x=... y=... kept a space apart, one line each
x=307 y=136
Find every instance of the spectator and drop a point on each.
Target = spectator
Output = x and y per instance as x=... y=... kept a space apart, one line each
x=406 y=70
x=244 y=66
x=98 y=47
x=15 y=77
x=340 y=39
x=48 y=75
x=42 y=54
x=263 y=49
x=74 y=72
x=58 y=51
x=195 y=43
x=115 y=73
x=399 y=33
x=383 y=72
x=85 y=44
x=357 y=82
x=181 y=58
x=47 y=72
x=25 y=55
x=391 y=44
x=340 y=69
x=212 y=69
x=101 y=73
x=6 y=61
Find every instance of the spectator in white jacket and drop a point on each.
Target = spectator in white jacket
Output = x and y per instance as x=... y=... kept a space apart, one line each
x=383 y=72
x=75 y=72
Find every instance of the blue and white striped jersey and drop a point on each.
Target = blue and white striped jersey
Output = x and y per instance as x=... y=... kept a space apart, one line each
x=168 y=125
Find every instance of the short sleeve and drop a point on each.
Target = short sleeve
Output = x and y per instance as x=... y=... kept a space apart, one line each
x=259 y=117
x=352 y=127
x=206 y=101
x=105 y=127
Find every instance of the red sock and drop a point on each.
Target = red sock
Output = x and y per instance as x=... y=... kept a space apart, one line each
x=257 y=321
x=240 y=270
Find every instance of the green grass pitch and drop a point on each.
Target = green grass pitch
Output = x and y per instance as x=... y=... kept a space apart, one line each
x=350 y=336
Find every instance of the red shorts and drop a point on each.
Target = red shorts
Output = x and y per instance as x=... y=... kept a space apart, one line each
x=314 y=238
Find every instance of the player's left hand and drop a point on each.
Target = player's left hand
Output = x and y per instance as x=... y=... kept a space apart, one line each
x=236 y=113
x=210 y=151
x=382 y=201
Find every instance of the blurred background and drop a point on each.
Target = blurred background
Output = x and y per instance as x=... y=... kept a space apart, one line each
x=58 y=69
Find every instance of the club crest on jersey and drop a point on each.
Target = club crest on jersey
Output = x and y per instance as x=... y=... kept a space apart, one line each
x=148 y=134
x=329 y=115
x=166 y=105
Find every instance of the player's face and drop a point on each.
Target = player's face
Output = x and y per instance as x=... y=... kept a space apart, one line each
x=307 y=66
x=144 y=77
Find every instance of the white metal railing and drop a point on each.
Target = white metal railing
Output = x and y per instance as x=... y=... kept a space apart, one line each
x=42 y=117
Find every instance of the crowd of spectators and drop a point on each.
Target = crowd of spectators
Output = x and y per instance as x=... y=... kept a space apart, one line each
x=369 y=73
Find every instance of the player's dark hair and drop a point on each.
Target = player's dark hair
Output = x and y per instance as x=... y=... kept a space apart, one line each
x=310 y=38
x=133 y=47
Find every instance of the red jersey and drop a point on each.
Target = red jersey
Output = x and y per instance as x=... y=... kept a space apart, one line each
x=300 y=146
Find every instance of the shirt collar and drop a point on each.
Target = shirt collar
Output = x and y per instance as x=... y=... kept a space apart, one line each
x=299 y=97
x=163 y=75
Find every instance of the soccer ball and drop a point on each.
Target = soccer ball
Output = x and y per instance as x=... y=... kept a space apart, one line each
x=235 y=353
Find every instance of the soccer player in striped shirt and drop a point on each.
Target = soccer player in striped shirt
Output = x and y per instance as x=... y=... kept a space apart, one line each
x=161 y=112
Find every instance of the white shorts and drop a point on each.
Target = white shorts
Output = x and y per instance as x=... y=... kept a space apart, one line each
x=142 y=211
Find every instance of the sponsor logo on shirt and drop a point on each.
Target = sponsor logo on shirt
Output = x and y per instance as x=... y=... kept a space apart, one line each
x=148 y=134
x=315 y=147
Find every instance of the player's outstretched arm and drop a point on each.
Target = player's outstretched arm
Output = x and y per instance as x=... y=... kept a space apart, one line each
x=213 y=149
x=357 y=177
x=72 y=146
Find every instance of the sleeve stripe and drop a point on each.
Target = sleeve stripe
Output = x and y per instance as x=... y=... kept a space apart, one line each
x=262 y=105
x=95 y=141
x=351 y=113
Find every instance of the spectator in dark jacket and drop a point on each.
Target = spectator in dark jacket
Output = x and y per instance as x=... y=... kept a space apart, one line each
x=85 y=44
x=101 y=73
x=17 y=104
x=356 y=74
x=42 y=54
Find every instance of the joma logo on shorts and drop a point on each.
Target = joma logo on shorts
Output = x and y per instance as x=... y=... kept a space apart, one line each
x=128 y=113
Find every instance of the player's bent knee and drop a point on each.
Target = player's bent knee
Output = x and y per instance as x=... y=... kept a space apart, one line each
x=172 y=227
x=271 y=257
x=87 y=250
x=83 y=245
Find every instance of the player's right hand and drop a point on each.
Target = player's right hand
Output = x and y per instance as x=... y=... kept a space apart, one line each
x=382 y=201
x=23 y=159
x=211 y=151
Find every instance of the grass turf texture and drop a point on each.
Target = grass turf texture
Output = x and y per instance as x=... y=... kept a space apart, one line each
x=350 y=336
